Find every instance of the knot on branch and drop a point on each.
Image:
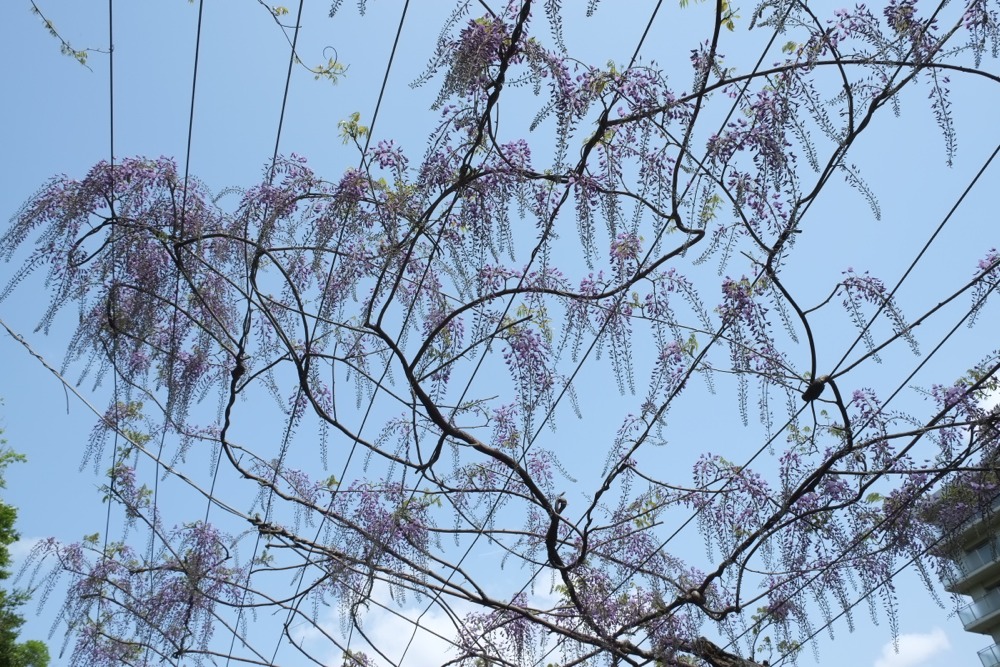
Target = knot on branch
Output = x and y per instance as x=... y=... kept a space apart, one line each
x=815 y=388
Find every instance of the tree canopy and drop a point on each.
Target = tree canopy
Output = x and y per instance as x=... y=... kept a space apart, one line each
x=30 y=653
x=496 y=376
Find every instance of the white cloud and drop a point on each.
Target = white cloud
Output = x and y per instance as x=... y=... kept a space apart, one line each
x=19 y=550
x=393 y=631
x=914 y=649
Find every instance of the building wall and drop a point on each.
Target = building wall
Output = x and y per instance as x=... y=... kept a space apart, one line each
x=976 y=574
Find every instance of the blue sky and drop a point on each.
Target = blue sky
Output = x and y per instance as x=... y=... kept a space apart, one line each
x=57 y=121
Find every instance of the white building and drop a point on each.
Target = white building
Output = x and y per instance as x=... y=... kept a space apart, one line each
x=977 y=575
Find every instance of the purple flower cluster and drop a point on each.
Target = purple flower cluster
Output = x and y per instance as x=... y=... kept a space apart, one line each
x=988 y=279
x=859 y=289
x=527 y=357
x=121 y=603
x=508 y=627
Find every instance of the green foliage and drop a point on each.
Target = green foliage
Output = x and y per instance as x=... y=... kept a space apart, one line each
x=8 y=515
x=80 y=55
x=351 y=129
x=728 y=16
x=31 y=653
x=648 y=510
x=987 y=385
x=539 y=316
x=765 y=645
x=710 y=208
x=331 y=71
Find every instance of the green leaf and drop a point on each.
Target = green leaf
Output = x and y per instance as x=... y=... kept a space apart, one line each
x=331 y=71
x=351 y=129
